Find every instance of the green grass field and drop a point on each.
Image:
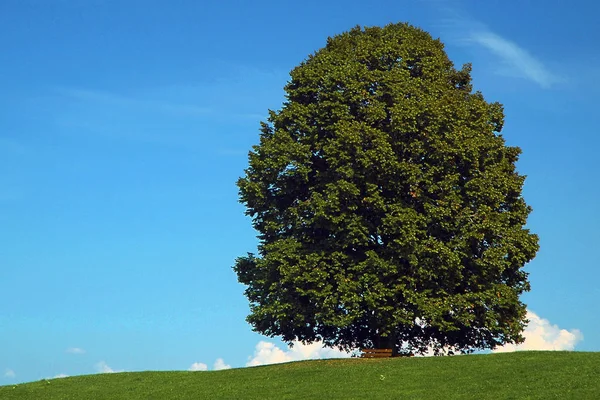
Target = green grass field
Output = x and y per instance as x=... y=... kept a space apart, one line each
x=522 y=375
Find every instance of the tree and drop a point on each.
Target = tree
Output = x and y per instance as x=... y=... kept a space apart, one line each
x=388 y=206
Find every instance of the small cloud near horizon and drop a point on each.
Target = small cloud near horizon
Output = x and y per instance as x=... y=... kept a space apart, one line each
x=9 y=373
x=540 y=334
x=198 y=366
x=103 y=368
x=269 y=353
x=220 y=364
x=217 y=366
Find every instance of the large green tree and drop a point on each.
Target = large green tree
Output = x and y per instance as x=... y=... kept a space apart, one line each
x=388 y=206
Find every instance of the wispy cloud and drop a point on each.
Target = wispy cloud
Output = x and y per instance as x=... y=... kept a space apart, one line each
x=103 y=368
x=136 y=103
x=198 y=366
x=514 y=59
x=540 y=334
x=9 y=373
x=75 y=350
x=205 y=115
x=12 y=146
x=60 y=376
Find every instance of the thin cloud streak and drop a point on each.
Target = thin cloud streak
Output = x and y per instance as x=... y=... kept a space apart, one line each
x=515 y=58
x=516 y=61
x=116 y=100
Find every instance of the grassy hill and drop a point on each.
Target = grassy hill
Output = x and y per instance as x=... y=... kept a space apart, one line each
x=523 y=375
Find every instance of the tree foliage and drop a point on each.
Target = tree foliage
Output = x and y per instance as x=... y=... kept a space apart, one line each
x=388 y=206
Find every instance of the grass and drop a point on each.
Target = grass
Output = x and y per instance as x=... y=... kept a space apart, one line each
x=521 y=375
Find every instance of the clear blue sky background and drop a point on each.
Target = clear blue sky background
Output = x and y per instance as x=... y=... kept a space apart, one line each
x=124 y=125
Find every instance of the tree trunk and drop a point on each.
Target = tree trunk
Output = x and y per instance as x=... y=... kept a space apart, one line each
x=387 y=342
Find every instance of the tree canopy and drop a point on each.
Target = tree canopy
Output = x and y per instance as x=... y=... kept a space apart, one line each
x=388 y=205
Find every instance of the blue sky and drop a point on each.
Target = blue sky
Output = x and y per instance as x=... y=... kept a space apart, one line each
x=125 y=124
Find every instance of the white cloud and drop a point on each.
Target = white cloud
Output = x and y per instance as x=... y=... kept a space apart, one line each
x=60 y=376
x=220 y=364
x=198 y=366
x=540 y=334
x=103 y=368
x=75 y=350
x=269 y=353
x=9 y=373
x=516 y=60
x=217 y=366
